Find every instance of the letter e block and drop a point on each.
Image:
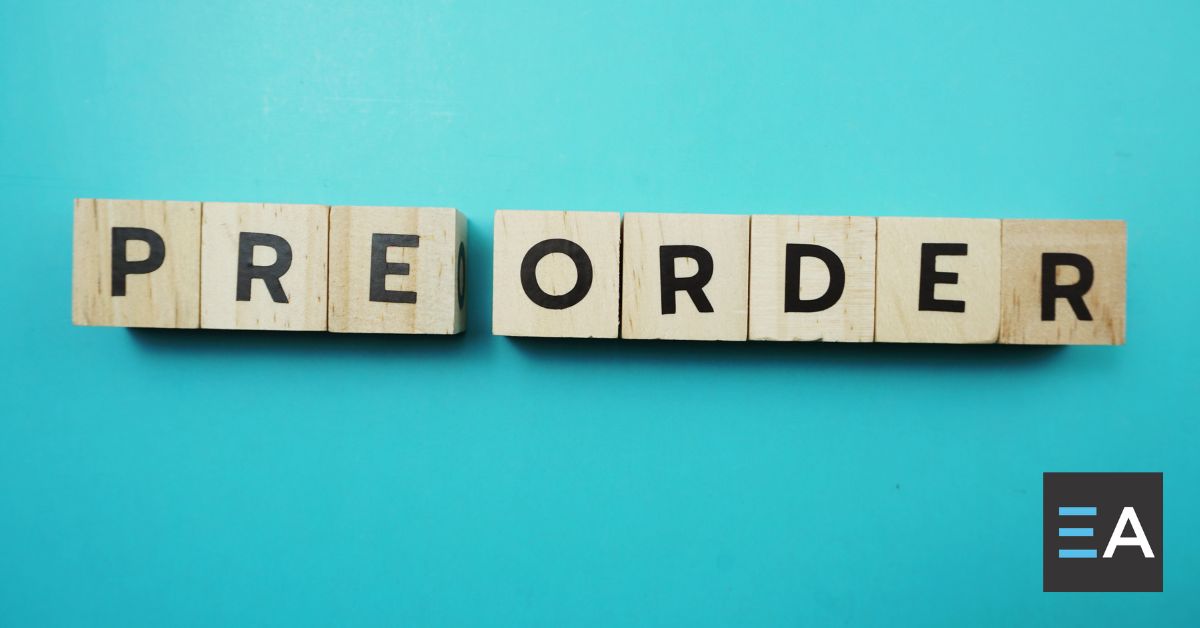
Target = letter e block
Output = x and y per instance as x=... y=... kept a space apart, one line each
x=397 y=270
x=685 y=276
x=1063 y=282
x=264 y=266
x=557 y=274
x=136 y=263
x=812 y=278
x=937 y=280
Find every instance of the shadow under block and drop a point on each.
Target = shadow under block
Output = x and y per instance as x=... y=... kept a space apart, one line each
x=397 y=270
x=263 y=266
x=685 y=276
x=812 y=278
x=937 y=280
x=1063 y=282
x=556 y=274
x=136 y=263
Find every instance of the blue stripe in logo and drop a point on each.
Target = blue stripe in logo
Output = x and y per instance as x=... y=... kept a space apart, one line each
x=1076 y=553
x=1074 y=531
x=1077 y=511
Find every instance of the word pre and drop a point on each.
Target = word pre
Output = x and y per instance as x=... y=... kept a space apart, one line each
x=396 y=270
x=840 y=279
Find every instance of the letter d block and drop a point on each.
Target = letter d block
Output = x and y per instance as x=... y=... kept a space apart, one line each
x=937 y=280
x=685 y=276
x=264 y=266
x=812 y=278
x=397 y=270
x=1063 y=282
x=136 y=264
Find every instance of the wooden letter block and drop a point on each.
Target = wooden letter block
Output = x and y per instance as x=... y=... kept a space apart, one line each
x=264 y=266
x=812 y=278
x=136 y=264
x=557 y=274
x=937 y=280
x=685 y=276
x=397 y=270
x=1063 y=282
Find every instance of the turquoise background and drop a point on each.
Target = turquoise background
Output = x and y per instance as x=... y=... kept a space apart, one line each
x=163 y=478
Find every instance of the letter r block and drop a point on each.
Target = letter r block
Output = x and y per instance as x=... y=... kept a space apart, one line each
x=136 y=263
x=556 y=274
x=850 y=315
x=706 y=271
x=264 y=266
x=937 y=280
x=1081 y=301
x=397 y=270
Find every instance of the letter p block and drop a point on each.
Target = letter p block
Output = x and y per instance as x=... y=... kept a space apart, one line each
x=136 y=264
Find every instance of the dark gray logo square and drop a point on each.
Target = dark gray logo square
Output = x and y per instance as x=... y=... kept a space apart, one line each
x=1102 y=532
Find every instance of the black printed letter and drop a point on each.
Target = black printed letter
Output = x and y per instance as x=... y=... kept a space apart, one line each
x=121 y=266
x=247 y=271
x=381 y=268
x=791 y=278
x=460 y=275
x=1074 y=292
x=583 y=274
x=930 y=277
x=694 y=285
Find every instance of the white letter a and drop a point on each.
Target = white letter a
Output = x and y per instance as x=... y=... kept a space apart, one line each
x=1139 y=538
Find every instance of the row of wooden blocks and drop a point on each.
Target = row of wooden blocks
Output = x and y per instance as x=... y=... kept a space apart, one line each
x=399 y=270
x=814 y=278
x=592 y=274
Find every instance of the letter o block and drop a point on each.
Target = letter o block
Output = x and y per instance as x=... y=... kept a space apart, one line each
x=1064 y=282
x=264 y=266
x=788 y=290
x=136 y=263
x=556 y=274
x=685 y=276
x=397 y=270
x=937 y=280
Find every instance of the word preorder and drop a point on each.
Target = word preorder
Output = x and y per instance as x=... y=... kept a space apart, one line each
x=601 y=275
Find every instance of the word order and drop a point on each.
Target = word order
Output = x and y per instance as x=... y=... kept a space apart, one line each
x=402 y=270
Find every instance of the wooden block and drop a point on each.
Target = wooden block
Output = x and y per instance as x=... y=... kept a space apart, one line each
x=397 y=270
x=1063 y=282
x=685 y=276
x=812 y=278
x=136 y=263
x=937 y=280
x=264 y=266
x=556 y=274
